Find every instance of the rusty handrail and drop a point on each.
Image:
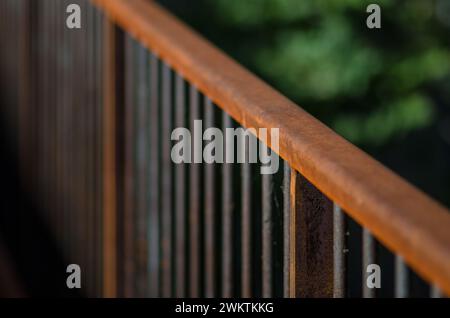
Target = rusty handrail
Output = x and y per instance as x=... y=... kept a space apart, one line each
x=402 y=217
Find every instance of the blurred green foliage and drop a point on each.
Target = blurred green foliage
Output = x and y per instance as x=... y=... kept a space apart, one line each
x=386 y=90
x=371 y=86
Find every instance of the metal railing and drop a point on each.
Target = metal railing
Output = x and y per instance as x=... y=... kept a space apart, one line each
x=195 y=230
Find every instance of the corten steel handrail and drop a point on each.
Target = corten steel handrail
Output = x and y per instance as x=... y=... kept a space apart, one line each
x=399 y=215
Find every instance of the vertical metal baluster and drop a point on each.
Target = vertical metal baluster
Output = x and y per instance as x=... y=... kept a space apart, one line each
x=110 y=167
x=80 y=126
x=89 y=148
x=58 y=125
x=99 y=151
x=180 y=194
x=51 y=117
x=267 y=223
x=338 y=252
x=84 y=146
x=43 y=123
x=59 y=130
x=93 y=155
x=55 y=112
x=246 y=226
x=154 y=219
x=311 y=273
x=68 y=131
x=286 y=228
x=72 y=120
x=436 y=292
x=141 y=172
x=167 y=181
x=368 y=246
x=194 y=204
x=24 y=90
x=15 y=114
x=210 y=206
x=43 y=108
x=129 y=207
x=227 y=215
x=401 y=278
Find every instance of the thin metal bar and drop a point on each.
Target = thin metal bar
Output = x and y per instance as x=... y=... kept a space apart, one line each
x=45 y=92
x=246 y=226
x=59 y=125
x=227 y=216
x=109 y=160
x=180 y=194
x=99 y=40
x=267 y=235
x=23 y=85
x=401 y=278
x=25 y=66
x=97 y=172
x=78 y=209
x=129 y=208
x=436 y=292
x=142 y=172
x=286 y=228
x=80 y=126
x=53 y=119
x=89 y=152
x=167 y=188
x=368 y=251
x=194 y=204
x=311 y=273
x=68 y=131
x=338 y=252
x=154 y=219
x=49 y=116
x=210 y=207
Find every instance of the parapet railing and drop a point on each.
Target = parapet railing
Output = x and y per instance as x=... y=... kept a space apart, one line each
x=113 y=92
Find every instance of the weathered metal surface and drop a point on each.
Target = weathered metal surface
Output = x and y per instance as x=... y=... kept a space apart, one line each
x=267 y=236
x=154 y=234
x=311 y=240
x=368 y=258
x=436 y=292
x=401 y=278
x=142 y=169
x=129 y=189
x=246 y=224
x=227 y=218
x=166 y=186
x=366 y=190
x=180 y=194
x=194 y=201
x=286 y=228
x=339 y=252
x=110 y=74
x=210 y=211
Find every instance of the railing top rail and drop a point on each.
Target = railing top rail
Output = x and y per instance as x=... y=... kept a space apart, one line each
x=399 y=215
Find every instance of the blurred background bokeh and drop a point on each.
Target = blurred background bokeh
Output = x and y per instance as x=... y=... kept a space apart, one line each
x=386 y=90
